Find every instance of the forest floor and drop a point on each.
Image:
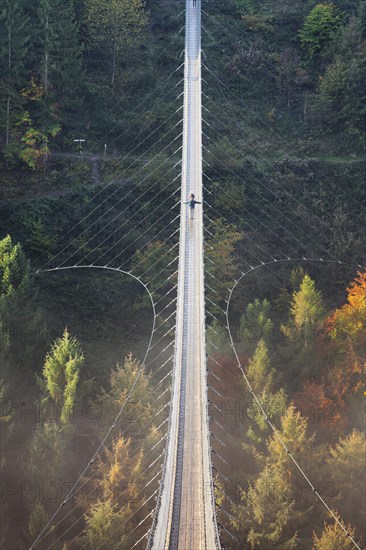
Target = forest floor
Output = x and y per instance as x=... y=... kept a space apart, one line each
x=13 y=192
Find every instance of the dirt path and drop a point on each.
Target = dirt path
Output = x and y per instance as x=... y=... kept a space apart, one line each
x=95 y=177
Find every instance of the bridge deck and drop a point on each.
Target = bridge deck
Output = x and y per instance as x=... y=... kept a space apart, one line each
x=186 y=511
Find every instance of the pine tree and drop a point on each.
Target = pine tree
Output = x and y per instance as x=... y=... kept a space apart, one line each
x=61 y=373
x=118 y=485
x=67 y=65
x=104 y=527
x=48 y=448
x=346 y=467
x=274 y=404
x=220 y=249
x=266 y=514
x=120 y=480
x=55 y=93
x=339 y=103
x=14 y=42
x=294 y=434
x=22 y=329
x=270 y=512
x=38 y=122
x=115 y=25
x=334 y=538
x=46 y=37
x=259 y=371
x=14 y=269
x=255 y=323
x=141 y=402
x=306 y=311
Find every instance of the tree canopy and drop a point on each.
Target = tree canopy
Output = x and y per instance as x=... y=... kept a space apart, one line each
x=320 y=27
x=61 y=373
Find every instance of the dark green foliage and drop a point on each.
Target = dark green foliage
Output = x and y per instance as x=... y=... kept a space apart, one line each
x=320 y=28
x=14 y=44
x=58 y=65
x=115 y=26
x=221 y=261
x=289 y=137
x=341 y=99
x=41 y=55
x=61 y=374
x=23 y=332
x=256 y=324
x=69 y=87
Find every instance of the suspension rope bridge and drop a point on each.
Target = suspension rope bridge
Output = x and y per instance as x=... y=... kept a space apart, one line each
x=185 y=515
x=182 y=507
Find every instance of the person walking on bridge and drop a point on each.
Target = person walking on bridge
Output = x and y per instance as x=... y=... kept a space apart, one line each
x=192 y=202
x=194 y=2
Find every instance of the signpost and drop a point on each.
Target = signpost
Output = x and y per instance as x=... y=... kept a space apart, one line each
x=80 y=147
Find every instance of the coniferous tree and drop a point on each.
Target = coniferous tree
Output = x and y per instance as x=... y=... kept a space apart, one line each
x=274 y=404
x=334 y=538
x=48 y=447
x=39 y=122
x=220 y=249
x=340 y=99
x=115 y=25
x=56 y=90
x=255 y=323
x=267 y=515
x=47 y=37
x=306 y=311
x=104 y=527
x=320 y=28
x=67 y=66
x=259 y=370
x=61 y=373
x=14 y=43
x=294 y=434
x=269 y=511
x=118 y=492
x=22 y=329
x=346 y=467
x=121 y=380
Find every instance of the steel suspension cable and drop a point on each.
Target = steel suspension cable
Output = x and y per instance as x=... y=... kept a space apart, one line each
x=263 y=158
x=108 y=198
x=258 y=402
x=101 y=445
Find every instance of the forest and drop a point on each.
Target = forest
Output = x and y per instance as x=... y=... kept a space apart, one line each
x=90 y=97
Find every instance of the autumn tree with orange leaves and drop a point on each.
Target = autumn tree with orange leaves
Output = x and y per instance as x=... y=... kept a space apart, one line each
x=349 y=321
x=347 y=328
